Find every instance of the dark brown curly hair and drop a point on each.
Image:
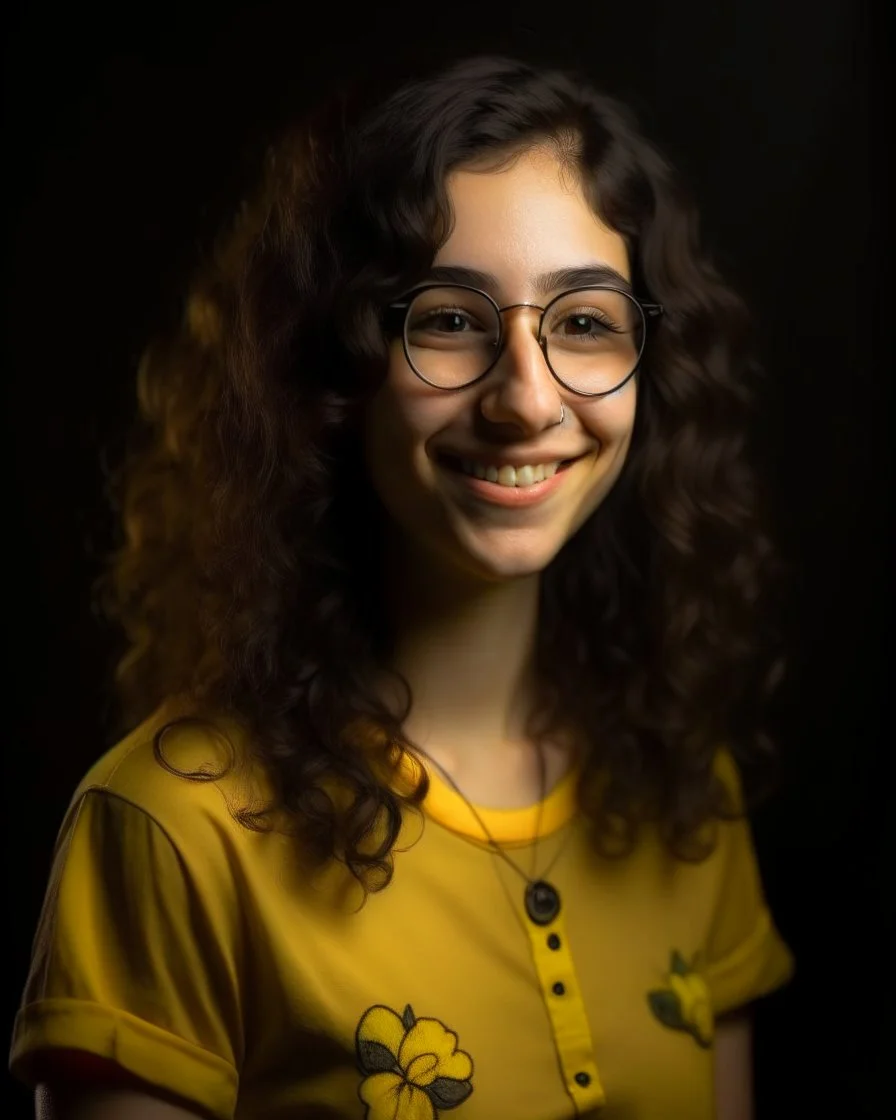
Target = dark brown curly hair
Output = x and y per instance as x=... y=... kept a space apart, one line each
x=247 y=577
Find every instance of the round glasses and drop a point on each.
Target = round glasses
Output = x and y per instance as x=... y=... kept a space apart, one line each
x=592 y=338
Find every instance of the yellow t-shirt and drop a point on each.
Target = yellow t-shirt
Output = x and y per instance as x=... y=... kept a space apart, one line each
x=191 y=951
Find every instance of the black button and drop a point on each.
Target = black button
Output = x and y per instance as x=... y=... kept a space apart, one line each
x=583 y=1079
x=559 y=989
x=553 y=941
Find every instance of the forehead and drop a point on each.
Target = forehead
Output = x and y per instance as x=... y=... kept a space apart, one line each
x=526 y=219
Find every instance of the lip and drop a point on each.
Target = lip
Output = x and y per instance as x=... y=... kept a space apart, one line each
x=511 y=497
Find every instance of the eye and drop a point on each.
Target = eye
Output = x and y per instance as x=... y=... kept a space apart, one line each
x=446 y=320
x=586 y=322
x=438 y=316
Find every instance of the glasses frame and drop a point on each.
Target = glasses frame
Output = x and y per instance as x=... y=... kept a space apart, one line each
x=647 y=311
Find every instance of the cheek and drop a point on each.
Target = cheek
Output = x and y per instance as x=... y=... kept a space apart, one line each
x=612 y=420
x=397 y=428
x=405 y=413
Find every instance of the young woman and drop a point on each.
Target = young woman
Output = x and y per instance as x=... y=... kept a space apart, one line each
x=444 y=580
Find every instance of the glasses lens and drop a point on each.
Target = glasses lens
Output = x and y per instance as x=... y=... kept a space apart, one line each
x=594 y=339
x=451 y=335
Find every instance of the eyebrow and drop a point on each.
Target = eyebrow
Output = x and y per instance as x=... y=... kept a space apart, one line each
x=545 y=283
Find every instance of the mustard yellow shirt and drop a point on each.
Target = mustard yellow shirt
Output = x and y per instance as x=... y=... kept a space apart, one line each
x=194 y=953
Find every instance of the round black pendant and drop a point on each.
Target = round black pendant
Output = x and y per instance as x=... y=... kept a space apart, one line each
x=542 y=902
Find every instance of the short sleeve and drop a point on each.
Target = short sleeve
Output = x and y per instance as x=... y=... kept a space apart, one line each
x=746 y=956
x=134 y=959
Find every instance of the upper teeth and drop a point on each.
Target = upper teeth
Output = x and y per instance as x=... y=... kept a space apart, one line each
x=511 y=476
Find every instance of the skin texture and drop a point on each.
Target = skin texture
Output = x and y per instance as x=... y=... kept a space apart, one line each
x=733 y=1067
x=59 y=1104
x=516 y=224
x=463 y=575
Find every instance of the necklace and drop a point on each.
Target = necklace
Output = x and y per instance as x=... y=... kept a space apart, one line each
x=541 y=898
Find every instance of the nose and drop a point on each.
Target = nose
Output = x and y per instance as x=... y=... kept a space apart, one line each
x=521 y=391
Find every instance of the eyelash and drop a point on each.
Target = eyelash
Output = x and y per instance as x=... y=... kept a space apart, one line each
x=583 y=312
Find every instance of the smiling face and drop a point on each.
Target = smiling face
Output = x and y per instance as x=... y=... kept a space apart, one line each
x=517 y=226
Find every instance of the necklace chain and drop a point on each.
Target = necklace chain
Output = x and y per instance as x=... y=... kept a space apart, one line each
x=495 y=846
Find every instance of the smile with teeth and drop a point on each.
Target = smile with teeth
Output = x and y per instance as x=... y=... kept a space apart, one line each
x=511 y=476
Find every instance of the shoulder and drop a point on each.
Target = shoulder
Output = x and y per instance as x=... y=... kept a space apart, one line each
x=183 y=771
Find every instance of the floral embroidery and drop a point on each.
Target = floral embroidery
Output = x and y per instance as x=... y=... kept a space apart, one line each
x=413 y=1066
x=684 y=1004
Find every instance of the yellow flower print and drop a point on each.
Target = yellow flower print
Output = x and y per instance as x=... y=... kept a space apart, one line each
x=684 y=1004
x=693 y=999
x=413 y=1066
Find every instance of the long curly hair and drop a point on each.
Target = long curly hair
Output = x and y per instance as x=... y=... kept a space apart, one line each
x=247 y=578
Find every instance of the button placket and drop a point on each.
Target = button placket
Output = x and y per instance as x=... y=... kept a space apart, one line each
x=569 y=1022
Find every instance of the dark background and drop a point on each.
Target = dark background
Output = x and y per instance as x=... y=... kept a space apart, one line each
x=130 y=132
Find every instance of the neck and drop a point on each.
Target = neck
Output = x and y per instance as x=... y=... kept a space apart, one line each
x=466 y=649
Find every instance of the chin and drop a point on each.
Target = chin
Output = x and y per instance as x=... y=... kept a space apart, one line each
x=499 y=565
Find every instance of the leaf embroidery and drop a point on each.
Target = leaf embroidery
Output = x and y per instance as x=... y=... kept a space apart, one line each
x=684 y=1004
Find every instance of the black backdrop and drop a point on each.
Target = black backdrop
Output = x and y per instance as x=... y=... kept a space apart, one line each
x=130 y=132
